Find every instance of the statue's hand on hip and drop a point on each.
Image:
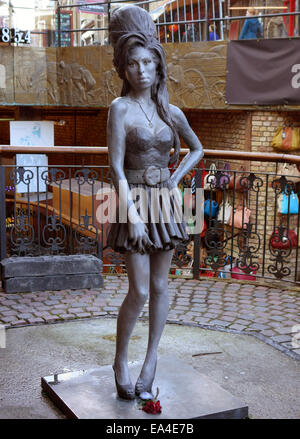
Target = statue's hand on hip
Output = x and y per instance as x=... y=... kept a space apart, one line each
x=172 y=183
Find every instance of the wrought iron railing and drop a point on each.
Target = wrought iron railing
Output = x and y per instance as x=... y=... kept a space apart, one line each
x=54 y=210
x=176 y=21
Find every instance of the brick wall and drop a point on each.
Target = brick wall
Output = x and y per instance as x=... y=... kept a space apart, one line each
x=82 y=128
x=219 y=129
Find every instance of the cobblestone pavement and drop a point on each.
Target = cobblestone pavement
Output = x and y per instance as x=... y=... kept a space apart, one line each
x=271 y=314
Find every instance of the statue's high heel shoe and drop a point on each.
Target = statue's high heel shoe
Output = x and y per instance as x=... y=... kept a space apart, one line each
x=125 y=391
x=143 y=391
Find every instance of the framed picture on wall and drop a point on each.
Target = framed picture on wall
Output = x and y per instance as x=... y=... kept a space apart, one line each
x=31 y=134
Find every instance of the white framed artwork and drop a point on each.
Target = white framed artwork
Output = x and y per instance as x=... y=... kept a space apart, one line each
x=31 y=134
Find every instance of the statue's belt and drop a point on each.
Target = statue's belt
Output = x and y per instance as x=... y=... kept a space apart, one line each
x=150 y=176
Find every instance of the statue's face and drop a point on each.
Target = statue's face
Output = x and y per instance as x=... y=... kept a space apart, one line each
x=141 y=68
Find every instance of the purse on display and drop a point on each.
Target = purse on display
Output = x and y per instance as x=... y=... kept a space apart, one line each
x=238 y=273
x=288 y=203
x=204 y=173
x=286 y=139
x=210 y=179
x=211 y=208
x=289 y=170
x=225 y=211
x=225 y=177
x=283 y=239
x=240 y=217
x=204 y=228
x=237 y=183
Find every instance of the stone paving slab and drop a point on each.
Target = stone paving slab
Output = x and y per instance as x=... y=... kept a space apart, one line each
x=264 y=311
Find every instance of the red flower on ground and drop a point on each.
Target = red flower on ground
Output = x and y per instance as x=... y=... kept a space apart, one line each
x=152 y=407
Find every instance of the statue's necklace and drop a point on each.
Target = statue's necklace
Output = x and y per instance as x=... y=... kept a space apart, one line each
x=149 y=120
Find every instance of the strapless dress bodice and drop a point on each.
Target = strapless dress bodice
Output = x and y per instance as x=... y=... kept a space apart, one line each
x=144 y=148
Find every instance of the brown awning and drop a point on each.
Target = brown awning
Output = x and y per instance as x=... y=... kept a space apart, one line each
x=263 y=72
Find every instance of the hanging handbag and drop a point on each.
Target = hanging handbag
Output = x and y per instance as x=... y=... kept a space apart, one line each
x=240 y=217
x=238 y=186
x=210 y=179
x=283 y=238
x=204 y=173
x=225 y=177
x=204 y=228
x=289 y=170
x=288 y=204
x=286 y=139
x=211 y=208
x=225 y=211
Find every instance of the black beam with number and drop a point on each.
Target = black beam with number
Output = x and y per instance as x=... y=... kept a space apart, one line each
x=14 y=36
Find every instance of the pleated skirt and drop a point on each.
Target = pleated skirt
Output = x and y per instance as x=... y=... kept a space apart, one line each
x=163 y=216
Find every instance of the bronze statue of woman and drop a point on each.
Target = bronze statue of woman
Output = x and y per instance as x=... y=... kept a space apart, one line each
x=142 y=129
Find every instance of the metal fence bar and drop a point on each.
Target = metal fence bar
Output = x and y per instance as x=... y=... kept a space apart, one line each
x=59 y=31
x=166 y=39
x=2 y=214
x=222 y=22
x=184 y=19
x=213 y=18
x=197 y=236
x=71 y=210
x=206 y=19
x=265 y=227
x=199 y=24
x=179 y=28
x=38 y=209
x=216 y=154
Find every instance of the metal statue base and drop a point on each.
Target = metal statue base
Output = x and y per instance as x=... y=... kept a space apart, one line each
x=184 y=393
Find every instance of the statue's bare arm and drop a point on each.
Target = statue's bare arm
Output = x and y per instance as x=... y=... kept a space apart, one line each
x=191 y=140
x=116 y=140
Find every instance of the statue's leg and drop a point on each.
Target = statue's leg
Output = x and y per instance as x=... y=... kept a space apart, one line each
x=158 y=312
x=138 y=269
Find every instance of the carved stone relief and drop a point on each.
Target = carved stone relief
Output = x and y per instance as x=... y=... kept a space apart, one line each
x=196 y=74
x=30 y=75
x=84 y=76
x=6 y=75
x=52 y=83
